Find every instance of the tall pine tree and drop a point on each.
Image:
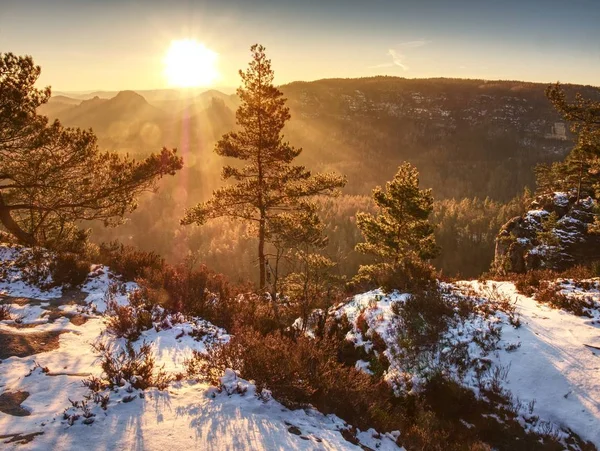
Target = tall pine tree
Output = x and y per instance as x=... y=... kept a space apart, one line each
x=268 y=184
x=399 y=235
x=581 y=167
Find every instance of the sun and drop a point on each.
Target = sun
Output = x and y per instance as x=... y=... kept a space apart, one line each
x=189 y=63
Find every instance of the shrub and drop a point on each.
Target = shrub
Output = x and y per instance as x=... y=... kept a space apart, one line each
x=361 y=323
x=302 y=371
x=34 y=265
x=191 y=291
x=299 y=371
x=552 y=296
x=128 y=261
x=95 y=384
x=581 y=271
x=425 y=316
x=182 y=288
x=69 y=269
x=5 y=312
x=126 y=365
x=127 y=322
x=530 y=282
x=408 y=275
x=379 y=343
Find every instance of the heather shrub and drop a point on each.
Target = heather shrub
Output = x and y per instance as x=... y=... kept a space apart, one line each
x=299 y=371
x=68 y=268
x=191 y=291
x=582 y=271
x=34 y=265
x=128 y=365
x=129 y=262
x=552 y=296
x=131 y=319
x=5 y=312
x=424 y=316
x=530 y=282
x=127 y=322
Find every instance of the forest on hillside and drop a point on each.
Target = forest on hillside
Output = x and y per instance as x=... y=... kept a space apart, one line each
x=474 y=142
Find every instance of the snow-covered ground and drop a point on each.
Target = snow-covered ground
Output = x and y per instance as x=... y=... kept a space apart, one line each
x=555 y=364
x=551 y=361
x=187 y=415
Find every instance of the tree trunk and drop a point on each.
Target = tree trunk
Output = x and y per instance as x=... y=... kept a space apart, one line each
x=10 y=224
x=580 y=177
x=261 y=252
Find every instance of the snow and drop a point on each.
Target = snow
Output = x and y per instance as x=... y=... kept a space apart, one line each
x=545 y=360
x=188 y=415
x=374 y=310
x=552 y=365
x=536 y=214
x=99 y=281
x=561 y=199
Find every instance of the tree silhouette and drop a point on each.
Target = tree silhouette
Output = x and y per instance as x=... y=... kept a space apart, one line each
x=52 y=177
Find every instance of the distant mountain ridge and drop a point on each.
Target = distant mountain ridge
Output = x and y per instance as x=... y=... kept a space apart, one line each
x=150 y=94
x=467 y=137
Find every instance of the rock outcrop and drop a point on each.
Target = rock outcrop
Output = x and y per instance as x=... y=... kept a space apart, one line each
x=535 y=241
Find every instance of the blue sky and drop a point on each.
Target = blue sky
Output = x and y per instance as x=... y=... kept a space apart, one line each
x=110 y=44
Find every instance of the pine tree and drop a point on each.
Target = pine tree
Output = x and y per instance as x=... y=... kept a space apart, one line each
x=546 y=236
x=399 y=235
x=52 y=177
x=268 y=184
x=551 y=177
x=582 y=166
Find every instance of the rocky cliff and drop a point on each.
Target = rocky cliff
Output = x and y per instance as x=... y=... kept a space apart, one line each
x=555 y=233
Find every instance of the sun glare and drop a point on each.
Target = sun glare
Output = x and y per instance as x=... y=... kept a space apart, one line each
x=189 y=63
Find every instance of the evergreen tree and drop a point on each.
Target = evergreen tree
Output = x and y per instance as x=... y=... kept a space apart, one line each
x=581 y=167
x=52 y=177
x=546 y=236
x=551 y=177
x=399 y=235
x=268 y=185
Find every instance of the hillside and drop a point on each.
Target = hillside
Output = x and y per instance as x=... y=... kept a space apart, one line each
x=545 y=358
x=467 y=137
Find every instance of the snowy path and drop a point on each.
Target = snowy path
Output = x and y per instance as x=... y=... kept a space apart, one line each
x=552 y=365
x=188 y=418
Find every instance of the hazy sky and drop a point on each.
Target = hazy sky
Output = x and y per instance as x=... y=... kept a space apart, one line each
x=120 y=44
